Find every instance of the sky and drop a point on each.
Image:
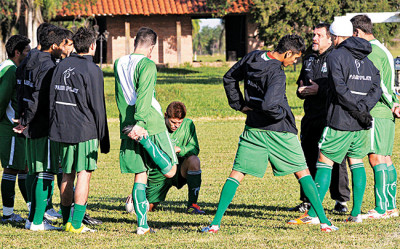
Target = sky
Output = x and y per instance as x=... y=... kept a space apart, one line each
x=211 y=22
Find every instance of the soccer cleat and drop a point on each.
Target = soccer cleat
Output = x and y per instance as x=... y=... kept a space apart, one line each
x=302 y=207
x=327 y=229
x=142 y=230
x=373 y=214
x=392 y=213
x=28 y=224
x=129 y=205
x=43 y=227
x=82 y=229
x=87 y=220
x=340 y=208
x=210 y=229
x=304 y=219
x=12 y=218
x=194 y=209
x=52 y=214
x=356 y=219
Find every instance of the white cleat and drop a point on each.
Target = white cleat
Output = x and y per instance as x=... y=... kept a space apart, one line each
x=52 y=214
x=142 y=231
x=43 y=227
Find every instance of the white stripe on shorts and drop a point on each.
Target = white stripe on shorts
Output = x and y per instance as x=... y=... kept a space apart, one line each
x=12 y=151
x=323 y=137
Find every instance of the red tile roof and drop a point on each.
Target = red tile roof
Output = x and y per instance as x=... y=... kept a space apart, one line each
x=149 y=7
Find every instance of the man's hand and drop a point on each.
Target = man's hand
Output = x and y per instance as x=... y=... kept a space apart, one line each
x=19 y=129
x=245 y=109
x=135 y=132
x=177 y=149
x=308 y=90
x=396 y=110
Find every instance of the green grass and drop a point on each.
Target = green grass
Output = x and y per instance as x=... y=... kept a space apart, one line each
x=211 y=58
x=256 y=217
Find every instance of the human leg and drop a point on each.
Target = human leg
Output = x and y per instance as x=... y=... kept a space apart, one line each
x=190 y=170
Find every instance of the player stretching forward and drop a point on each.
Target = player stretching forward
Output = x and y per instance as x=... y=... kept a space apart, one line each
x=270 y=131
x=135 y=79
x=183 y=133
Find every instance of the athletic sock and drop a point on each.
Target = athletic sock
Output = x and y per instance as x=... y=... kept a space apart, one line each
x=77 y=217
x=59 y=178
x=43 y=188
x=311 y=192
x=66 y=212
x=8 y=193
x=22 y=185
x=194 y=183
x=50 y=197
x=359 y=180
x=33 y=200
x=30 y=180
x=380 y=175
x=140 y=203
x=227 y=194
x=391 y=187
x=159 y=157
x=322 y=181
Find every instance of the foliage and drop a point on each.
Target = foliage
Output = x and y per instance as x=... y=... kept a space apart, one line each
x=209 y=40
x=8 y=17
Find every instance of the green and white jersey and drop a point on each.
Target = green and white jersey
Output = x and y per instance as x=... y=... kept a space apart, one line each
x=8 y=97
x=185 y=137
x=135 y=80
x=383 y=60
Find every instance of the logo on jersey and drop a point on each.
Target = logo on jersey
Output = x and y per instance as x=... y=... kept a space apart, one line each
x=324 y=69
x=66 y=75
x=358 y=65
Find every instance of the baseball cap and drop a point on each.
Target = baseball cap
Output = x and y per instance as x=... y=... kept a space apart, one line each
x=341 y=27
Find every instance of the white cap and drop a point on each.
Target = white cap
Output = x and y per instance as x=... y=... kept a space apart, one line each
x=341 y=27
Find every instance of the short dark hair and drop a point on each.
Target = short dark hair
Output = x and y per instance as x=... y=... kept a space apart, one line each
x=83 y=38
x=68 y=34
x=176 y=110
x=55 y=35
x=43 y=28
x=293 y=43
x=362 y=22
x=16 y=42
x=145 y=37
x=324 y=25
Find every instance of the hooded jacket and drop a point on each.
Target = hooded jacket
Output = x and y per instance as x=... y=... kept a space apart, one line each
x=265 y=92
x=354 y=84
x=77 y=105
x=33 y=82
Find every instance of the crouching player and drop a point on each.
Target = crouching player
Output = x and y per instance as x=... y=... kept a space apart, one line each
x=270 y=131
x=183 y=133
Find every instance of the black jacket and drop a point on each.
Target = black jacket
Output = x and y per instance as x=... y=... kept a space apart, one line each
x=33 y=82
x=265 y=92
x=354 y=84
x=77 y=106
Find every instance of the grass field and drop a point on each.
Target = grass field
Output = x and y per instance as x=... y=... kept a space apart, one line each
x=255 y=219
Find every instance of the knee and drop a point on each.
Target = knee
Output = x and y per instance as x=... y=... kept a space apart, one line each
x=171 y=173
x=193 y=163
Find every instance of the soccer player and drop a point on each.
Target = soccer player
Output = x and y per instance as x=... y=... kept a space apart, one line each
x=135 y=79
x=382 y=131
x=353 y=91
x=42 y=154
x=183 y=134
x=12 y=146
x=78 y=124
x=313 y=88
x=270 y=131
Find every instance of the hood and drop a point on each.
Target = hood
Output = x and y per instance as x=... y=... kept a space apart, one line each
x=358 y=47
x=36 y=58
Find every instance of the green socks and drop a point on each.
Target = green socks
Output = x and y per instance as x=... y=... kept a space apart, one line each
x=359 y=180
x=77 y=217
x=391 y=187
x=322 y=182
x=159 y=157
x=22 y=185
x=227 y=194
x=380 y=173
x=141 y=204
x=311 y=192
x=66 y=212
x=44 y=186
x=194 y=182
x=8 y=193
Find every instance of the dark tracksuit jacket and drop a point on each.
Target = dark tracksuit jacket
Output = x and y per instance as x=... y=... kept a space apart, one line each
x=77 y=105
x=33 y=83
x=264 y=90
x=354 y=84
x=314 y=121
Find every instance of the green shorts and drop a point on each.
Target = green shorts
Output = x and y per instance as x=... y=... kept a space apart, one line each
x=336 y=145
x=257 y=147
x=382 y=136
x=133 y=158
x=157 y=190
x=42 y=155
x=12 y=152
x=80 y=156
